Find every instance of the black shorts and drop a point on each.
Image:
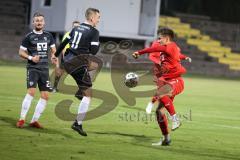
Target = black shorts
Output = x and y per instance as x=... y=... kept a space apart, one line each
x=82 y=78
x=77 y=67
x=38 y=77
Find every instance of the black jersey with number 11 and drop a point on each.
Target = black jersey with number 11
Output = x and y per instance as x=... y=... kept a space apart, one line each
x=84 y=39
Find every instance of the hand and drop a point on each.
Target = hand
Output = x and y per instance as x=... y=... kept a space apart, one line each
x=188 y=59
x=135 y=55
x=54 y=59
x=36 y=59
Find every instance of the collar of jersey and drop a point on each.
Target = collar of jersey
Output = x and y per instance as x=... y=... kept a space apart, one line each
x=34 y=31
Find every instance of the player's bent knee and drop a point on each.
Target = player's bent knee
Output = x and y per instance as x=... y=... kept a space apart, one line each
x=31 y=91
x=44 y=95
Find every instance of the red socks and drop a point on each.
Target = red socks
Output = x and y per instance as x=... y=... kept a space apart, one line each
x=168 y=104
x=162 y=122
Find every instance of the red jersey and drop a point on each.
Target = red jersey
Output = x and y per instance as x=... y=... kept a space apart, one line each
x=168 y=56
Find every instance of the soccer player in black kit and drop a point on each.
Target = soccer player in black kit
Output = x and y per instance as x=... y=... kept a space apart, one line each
x=84 y=42
x=34 y=48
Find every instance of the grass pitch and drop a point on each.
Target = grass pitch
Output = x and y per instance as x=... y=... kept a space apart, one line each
x=209 y=108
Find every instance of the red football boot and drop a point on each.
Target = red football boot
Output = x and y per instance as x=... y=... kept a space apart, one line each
x=35 y=124
x=20 y=123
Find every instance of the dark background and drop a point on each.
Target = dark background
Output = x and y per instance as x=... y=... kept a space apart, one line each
x=219 y=10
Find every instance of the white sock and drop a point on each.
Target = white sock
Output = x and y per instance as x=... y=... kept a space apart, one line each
x=41 y=105
x=25 y=106
x=174 y=118
x=82 y=109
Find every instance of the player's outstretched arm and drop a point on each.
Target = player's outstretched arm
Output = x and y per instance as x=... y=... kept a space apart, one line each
x=62 y=46
x=184 y=57
x=159 y=48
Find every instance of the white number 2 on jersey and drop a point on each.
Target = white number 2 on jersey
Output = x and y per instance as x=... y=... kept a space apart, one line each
x=76 y=39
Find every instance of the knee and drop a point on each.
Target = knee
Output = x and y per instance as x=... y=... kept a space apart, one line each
x=88 y=92
x=44 y=96
x=31 y=92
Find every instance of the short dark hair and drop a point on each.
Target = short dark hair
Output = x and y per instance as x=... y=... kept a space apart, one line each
x=38 y=14
x=165 y=31
x=90 y=11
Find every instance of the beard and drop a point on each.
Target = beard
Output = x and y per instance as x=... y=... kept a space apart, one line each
x=38 y=28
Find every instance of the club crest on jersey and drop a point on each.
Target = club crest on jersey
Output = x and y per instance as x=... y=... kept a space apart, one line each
x=45 y=38
x=42 y=46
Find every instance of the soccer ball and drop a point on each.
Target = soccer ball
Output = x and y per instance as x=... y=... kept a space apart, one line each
x=131 y=79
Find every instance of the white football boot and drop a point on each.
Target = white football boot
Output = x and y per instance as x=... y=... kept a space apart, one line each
x=175 y=122
x=163 y=142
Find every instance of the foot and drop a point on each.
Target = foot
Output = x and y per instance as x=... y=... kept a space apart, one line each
x=79 y=129
x=20 y=123
x=175 y=125
x=162 y=142
x=149 y=108
x=36 y=124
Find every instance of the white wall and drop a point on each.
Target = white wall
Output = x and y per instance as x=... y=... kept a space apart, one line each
x=54 y=15
x=117 y=16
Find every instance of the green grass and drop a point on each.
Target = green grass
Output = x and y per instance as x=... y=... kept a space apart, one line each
x=213 y=132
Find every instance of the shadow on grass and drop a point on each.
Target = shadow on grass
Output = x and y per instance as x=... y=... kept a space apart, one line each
x=133 y=108
x=140 y=138
x=194 y=151
x=12 y=123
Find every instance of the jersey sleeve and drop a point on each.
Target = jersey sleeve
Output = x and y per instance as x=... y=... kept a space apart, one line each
x=159 y=48
x=25 y=43
x=95 y=39
x=95 y=43
x=182 y=56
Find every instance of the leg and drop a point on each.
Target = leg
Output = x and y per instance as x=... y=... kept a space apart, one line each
x=94 y=67
x=163 y=124
x=83 y=80
x=44 y=87
x=32 y=78
x=41 y=105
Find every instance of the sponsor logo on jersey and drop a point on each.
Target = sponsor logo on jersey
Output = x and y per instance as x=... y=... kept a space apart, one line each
x=42 y=46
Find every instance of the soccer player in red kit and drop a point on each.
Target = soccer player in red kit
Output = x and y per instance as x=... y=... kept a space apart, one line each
x=166 y=56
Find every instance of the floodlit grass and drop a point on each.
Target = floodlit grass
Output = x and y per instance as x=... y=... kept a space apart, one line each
x=210 y=111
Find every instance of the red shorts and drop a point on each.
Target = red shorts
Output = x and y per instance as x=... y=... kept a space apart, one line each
x=177 y=84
